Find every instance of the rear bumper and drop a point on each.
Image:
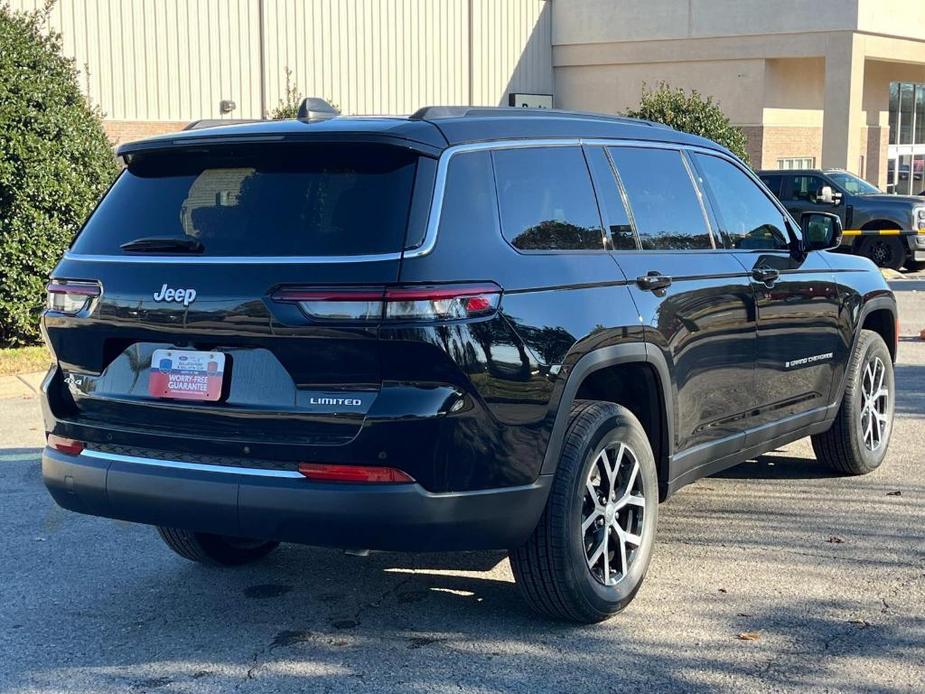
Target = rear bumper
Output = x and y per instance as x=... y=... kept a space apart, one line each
x=279 y=505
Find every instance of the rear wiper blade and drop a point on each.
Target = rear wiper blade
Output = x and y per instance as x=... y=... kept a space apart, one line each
x=153 y=244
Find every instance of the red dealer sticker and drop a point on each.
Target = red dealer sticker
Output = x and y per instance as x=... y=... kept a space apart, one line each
x=186 y=375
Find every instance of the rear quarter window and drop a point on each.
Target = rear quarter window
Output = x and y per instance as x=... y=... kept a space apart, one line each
x=271 y=200
x=546 y=199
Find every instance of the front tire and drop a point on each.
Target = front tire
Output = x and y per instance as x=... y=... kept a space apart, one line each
x=884 y=251
x=215 y=550
x=857 y=442
x=589 y=553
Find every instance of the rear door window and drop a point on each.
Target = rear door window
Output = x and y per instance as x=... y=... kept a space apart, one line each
x=661 y=194
x=546 y=199
x=610 y=198
x=268 y=200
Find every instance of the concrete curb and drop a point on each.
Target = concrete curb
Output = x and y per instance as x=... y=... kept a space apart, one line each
x=21 y=385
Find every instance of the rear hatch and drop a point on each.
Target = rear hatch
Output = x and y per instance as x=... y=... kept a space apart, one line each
x=191 y=253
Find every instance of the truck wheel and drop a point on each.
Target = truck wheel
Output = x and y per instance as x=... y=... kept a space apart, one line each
x=885 y=251
x=589 y=553
x=857 y=442
x=217 y=550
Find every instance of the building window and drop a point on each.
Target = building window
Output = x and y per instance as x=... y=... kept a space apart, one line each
x=906 y=161
x=797 y=163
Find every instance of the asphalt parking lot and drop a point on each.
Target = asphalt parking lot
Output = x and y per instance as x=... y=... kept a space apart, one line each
x=773 y=575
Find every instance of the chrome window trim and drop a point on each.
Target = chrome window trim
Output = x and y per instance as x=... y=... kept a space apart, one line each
x=180 y=465
x=433 y=220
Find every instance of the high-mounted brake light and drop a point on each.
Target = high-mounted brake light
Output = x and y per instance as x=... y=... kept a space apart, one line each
x=365 y=474
x=70 y=297
x=400 y=303
x=65 y=445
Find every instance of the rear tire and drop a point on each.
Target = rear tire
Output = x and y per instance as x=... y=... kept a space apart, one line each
x=884 y=251
x=860 y=435
x=215 y=550
x=589 y=553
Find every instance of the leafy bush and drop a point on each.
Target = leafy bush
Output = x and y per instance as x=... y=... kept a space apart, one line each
x=289 y=107
x=691 y=113
x=55 y=162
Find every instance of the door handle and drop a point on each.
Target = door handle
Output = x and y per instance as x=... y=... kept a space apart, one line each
x=653 y=280
x=766 y=274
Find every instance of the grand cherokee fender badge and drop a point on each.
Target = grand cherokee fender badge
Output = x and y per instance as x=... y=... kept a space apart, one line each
x=180 y=296
x=808 y=360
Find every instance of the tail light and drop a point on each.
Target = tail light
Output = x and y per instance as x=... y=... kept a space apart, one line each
x=320 y=472
x=402 y=303
x=71 y=297
x=65 y=445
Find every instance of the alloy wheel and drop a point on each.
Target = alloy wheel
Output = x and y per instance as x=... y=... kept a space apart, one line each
x=873 y=418
x=612 y=513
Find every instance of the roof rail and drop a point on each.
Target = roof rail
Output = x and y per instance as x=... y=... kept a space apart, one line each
x=438 y=112
x=315 y=108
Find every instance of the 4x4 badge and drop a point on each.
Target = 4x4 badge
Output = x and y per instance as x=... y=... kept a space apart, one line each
x=180 y=296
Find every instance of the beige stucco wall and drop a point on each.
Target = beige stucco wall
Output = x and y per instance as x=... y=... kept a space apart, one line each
x=594 y=21
x=905 y=18
x=737 y=85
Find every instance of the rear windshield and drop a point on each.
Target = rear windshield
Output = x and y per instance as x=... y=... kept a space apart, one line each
x=268 y=200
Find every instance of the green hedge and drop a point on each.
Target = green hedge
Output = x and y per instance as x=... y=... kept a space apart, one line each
x=55 y=162
x=690 y=112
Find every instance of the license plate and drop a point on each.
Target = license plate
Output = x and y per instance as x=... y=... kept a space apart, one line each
x=186 y=375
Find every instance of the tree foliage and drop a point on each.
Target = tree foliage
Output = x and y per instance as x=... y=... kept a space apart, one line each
x=690 y=112
x=55 y=162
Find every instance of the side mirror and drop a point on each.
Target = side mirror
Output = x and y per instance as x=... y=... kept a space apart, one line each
x=822 y=231
x=825 y=195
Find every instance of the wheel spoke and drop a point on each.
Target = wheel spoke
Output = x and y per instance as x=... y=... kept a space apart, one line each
x=606 y=573
x=589 y=521
x=595 y=494
x=632 y=539
x=623 y=567
x=592 y=560
x=880 y=372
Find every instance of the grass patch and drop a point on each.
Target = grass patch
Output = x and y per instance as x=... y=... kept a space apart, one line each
x=23 y=360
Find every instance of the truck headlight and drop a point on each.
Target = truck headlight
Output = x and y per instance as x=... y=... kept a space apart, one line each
x=920 y=218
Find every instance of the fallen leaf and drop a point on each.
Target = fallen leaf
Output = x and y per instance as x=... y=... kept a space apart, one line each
x=722 y=590
x=896 y=493
x=742 y=614
x=835 y=540
x=749 y=636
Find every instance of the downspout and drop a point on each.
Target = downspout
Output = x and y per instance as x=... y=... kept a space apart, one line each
x=471 y=57
x=262 y=45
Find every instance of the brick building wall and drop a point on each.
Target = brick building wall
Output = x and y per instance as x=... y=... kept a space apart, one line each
x=120 y=131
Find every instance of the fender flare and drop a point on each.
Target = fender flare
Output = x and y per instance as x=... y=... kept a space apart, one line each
x=873 y=304
x=628 y=353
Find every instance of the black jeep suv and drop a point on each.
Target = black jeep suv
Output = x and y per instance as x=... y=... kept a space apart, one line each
x=469 y=328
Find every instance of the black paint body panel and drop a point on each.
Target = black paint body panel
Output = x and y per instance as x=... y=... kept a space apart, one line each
x=468 y=408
